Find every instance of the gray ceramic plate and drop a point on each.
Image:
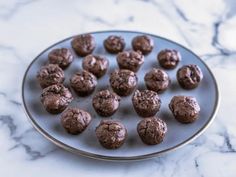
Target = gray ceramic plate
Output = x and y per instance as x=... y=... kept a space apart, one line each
x=86 y=143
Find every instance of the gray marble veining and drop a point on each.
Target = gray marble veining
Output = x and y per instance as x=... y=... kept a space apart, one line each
x=29 y=26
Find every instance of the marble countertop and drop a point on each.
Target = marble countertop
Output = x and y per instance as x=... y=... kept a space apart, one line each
x=29 y=26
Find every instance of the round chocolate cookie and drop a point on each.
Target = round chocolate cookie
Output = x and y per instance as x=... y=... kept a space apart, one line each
x=146 y=103
x=130 y=60
x=123 y=81
x=143 y=43
x=83 y=83
x=95 y=64
x=184 y=108
x=169 y=58
x=75 y=120
x=56 y=98
x=152 y=130
x=114 y=44
x=111 y=134
x=62 y=57
x=49 y=75
x=157 y=80
x=189 y=76
x=83 y=44
x=106 y=103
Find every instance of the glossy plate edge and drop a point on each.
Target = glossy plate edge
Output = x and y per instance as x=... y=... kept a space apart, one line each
x=110 y=158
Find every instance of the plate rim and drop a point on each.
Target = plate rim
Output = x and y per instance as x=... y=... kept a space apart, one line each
x=120 y=158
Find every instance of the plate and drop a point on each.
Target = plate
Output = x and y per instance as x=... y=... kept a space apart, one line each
x=86 y=143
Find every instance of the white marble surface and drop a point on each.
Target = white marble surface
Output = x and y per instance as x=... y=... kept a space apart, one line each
x=29 y=26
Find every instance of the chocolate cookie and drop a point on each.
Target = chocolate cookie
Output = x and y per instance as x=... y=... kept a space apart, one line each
x=146 y=103
x=130 y=60
x=111 y=134
x=75 y=120
x=189 y=76
x=157 y=80
x=95 y=64
x=123 y=81
x=106 y=103
x=152 y=130
x=49 y=75
x=184 y=108
x=62 y=57
x=169 y=58
x=114 y=44
x=56 y=98
x=143 y=43
x=83 y=83
x=83 y=44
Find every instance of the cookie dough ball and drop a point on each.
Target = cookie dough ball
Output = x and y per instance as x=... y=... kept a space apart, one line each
x=62 y=57
x=146 y=103
x=123 y=81
x=83 y=44
x=96 y=64
x=114 y=44
x=83 y=83
x=169 y=58
x=157 y=80
x=111 y=134
x=106 y=103
x=143 y=43
x=56 y=98
x=189 y=76
x=130 y=60
x=152 y=130
x=49 y=75
x=184 y=108
x=75 y=120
